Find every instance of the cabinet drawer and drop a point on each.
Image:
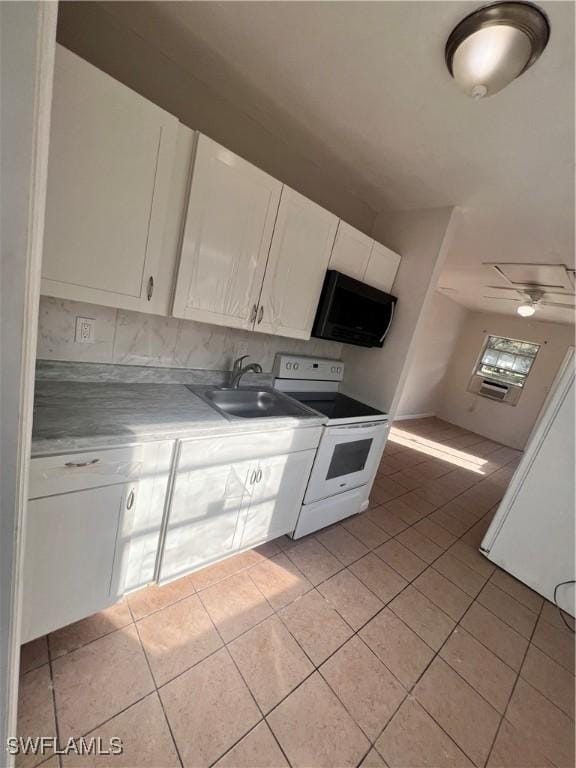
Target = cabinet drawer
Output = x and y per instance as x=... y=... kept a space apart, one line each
x=50 y=475
x=212 y=451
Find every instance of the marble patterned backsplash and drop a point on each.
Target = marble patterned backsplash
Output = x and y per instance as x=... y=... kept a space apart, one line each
x=109 y=373
x=133 y=338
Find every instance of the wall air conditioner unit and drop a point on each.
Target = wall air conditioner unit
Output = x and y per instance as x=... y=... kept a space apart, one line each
x=494 y=390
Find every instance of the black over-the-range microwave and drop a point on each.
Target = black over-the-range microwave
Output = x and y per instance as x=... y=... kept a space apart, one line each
x=353 y=312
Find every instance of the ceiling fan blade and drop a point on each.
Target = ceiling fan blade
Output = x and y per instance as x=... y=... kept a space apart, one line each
x=503 y=288
x=501 y=298
x=557 y=304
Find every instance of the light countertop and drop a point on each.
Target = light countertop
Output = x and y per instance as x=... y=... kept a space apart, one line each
x=80 y=415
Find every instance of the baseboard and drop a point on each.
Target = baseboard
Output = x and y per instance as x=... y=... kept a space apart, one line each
x=414 y=416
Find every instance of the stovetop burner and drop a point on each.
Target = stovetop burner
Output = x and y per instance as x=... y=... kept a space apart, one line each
x=335 y=405
x=314 y=382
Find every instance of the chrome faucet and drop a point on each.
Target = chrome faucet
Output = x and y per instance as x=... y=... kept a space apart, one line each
x=238 y=370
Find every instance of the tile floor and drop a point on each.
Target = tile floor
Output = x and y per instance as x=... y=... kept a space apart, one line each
x=387 y=640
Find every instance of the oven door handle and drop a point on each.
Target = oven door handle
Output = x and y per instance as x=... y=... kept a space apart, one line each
x=362 y=425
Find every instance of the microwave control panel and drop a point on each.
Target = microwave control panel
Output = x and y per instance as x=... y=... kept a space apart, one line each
x=311 y=368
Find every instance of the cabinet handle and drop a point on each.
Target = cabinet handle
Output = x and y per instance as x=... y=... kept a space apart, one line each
x=261 y=314
x=75 y=464
x=253 y=313
x=130 y=500
x=259 y=475
x=150 y=289
x=253 y=477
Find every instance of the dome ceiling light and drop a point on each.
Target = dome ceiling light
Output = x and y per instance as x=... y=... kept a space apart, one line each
x=494 y=45
x=527 y=309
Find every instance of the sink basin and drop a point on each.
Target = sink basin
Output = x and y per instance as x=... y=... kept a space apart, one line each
x=252 y=403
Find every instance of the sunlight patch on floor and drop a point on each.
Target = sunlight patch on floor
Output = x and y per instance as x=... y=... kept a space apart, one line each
x=438 y=450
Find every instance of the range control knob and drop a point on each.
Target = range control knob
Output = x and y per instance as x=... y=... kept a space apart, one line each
x=333 y=369
x=296 y=366
x=288 y=366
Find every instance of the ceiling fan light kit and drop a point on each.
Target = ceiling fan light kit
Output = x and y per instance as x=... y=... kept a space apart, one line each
x=527 y=309
x=494 y=45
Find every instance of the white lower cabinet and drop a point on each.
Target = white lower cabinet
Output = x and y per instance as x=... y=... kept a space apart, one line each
x=231 y=493
x=93 y=529
x=95 y=519
x=69 y=557
x=204 y=514
x=277 y=492
x=142 y=519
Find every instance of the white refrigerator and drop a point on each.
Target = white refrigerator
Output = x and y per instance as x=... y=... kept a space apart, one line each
x=532 y=533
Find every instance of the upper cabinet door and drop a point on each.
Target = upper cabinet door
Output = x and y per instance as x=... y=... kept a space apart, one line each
x=299 y=255
x=229 y=225
x=351 y=251
x=382 y=268
x=109 y=175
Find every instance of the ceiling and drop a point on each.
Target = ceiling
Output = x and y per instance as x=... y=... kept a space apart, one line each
x=361 y=89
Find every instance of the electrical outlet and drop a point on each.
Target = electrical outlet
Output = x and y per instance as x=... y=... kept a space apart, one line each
x=85 y=330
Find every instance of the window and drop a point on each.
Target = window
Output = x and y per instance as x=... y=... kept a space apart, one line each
x=507 y=360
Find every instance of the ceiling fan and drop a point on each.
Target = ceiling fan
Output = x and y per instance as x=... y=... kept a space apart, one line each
x=530 y=299
x=534 y=286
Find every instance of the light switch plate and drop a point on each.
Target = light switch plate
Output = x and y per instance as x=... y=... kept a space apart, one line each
x=85 y=330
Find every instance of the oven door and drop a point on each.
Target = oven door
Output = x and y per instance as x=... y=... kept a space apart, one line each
x=347 y=458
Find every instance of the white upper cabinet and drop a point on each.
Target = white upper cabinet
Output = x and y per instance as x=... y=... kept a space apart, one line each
x=382 y=267
x=351 y=251
x=359 y=256
x=227 y=234
x=109 y=175
x=299 y=255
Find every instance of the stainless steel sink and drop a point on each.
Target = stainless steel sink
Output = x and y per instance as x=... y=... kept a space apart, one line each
x=252 y=403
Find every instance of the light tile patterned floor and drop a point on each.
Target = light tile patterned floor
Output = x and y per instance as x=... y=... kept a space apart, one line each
x=387 y=640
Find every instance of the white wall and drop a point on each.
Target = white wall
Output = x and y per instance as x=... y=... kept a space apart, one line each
x=27 y=38
x=434 y=346
x=88 y=29
x=504 y=423
x=422 y=238
x=134 y=338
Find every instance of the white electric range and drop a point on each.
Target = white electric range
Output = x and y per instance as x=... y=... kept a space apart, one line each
x=351 y=445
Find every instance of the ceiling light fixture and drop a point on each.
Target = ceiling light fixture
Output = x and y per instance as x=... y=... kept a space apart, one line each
x=494 y=45
x=527 y=309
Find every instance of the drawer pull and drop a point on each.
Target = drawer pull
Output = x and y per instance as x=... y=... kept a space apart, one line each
x=74 y=464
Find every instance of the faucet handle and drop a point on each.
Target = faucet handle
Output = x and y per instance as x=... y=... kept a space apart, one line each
x=238 y=363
